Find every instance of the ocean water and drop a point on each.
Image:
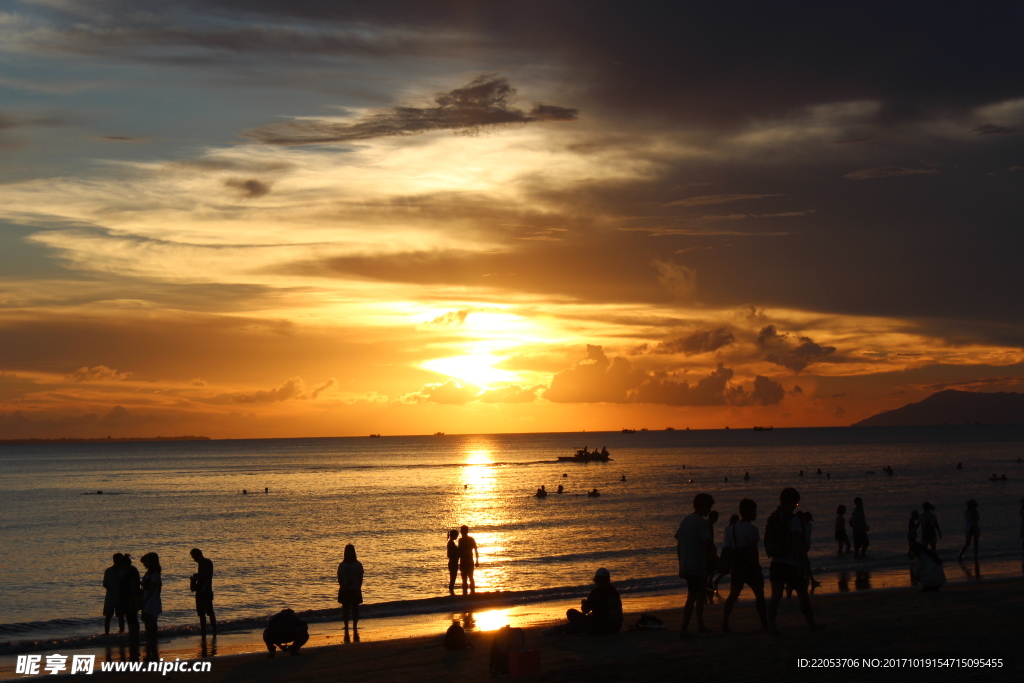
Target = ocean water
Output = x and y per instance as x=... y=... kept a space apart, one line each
x=394 y=498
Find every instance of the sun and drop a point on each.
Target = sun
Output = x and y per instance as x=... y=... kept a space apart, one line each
x=476 y=369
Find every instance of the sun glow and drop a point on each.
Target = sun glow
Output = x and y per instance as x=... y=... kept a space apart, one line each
x=477 y=369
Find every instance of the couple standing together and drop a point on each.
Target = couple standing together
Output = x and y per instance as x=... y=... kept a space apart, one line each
x=463 y=557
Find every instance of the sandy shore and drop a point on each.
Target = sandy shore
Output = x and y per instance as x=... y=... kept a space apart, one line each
x=977 y=620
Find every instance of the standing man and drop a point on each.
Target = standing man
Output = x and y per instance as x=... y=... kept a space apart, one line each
x=202 y=584
x=930 y=531
x=695 y=546
x=469 y=557
x=784 y=542
x=111 y=606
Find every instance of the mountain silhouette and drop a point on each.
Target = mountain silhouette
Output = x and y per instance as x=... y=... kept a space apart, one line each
x=955 y=408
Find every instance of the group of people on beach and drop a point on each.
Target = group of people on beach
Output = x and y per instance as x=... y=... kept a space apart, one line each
x=127 y=594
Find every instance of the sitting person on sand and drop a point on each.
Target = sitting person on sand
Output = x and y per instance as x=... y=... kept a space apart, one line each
x=927 y=568
x=285 y=631
x=601 y=611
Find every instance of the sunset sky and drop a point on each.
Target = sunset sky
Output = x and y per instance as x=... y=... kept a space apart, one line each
x=276 y=219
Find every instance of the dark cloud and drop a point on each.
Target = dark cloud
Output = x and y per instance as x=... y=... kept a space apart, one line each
x=992 y=129
x=123 y=138
x=789 y=353
x=717 y=199
x=13 y=387
x=698 y=341
x=595 y=380
x=294 y=389
x=249 y=189
x=713 y=390
x=767 y=392
x=888 y=172
x=483 y=102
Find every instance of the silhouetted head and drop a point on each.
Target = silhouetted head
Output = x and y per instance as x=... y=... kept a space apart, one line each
x=713 y=516
x=858 y=502
x=841 y=510
x=151 y=561
x=350 y=553
x=748 y=509
x=117 y=559
x=927 y=507
x=126 y=560
x=196 y=554
x=808 y=517
x=602 y=575
x=733 y=519
x=972 y=503
x=702 y=503
x=453 y=534
x=464 y=529
x=913 y=514
x=789 y=498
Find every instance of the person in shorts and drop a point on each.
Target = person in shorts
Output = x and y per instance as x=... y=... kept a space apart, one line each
x=746 y=564
x=469 y=559
x=789 y=567
x=202 y=584
x=350 y=589
x=694 y=547
x=112 y=582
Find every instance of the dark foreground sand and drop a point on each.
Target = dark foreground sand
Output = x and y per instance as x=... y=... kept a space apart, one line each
x=978 y=620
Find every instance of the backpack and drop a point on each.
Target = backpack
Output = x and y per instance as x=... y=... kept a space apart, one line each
x=777 y=539
x=506 y=640
x=455 y=638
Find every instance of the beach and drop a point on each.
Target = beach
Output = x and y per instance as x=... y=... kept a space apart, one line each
x=967 y=621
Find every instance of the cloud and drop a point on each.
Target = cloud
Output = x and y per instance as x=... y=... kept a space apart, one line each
x=676 y=279
x=713 y=390
x=796 y=356
x=123 y=138
x=449 y=393
x=992 y=129
x=198 y=382
x=511 y=394
x=483 y=102
x=293 y=389
x=888 y=172
x=452 y=317
x=767 y=392
x=100 y=373
x=718 y=199
x=250 y=189
x=595 y=380
x=698 y=341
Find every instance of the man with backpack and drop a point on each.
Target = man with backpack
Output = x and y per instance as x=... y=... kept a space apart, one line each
x=789 y=568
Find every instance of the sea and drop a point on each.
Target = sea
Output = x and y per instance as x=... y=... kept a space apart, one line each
x=274 y=515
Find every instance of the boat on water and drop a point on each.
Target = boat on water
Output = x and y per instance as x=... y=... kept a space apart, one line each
x=586 y=455
x=374 y=436
x=629 y=431
x=438 y=433
x=761 y=429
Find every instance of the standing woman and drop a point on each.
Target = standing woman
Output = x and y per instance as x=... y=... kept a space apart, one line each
x=453 y=559
x=972 y=528
x=350 y=589
x=912 y=526
x=152 y=606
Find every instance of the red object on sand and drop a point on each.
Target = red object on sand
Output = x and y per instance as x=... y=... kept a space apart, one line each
x=524 y=663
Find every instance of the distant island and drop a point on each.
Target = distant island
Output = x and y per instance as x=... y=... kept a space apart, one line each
x=106 y=439
x=954 y=408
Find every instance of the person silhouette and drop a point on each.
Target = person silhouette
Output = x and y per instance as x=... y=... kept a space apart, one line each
x=350 y=589
x=129 y=598
x=930 y=531
x=202 y=584
x=600 y=612
x=469 y=559
x=452 y=549
x=927 y=568
x=784 y=542
x=746 y=565
x=152 y=605
x=859 y=525
x=912 y=527
x=972 y=529
x=285 y=631
x=112 y=583
x=695 y=546
x=842 y=539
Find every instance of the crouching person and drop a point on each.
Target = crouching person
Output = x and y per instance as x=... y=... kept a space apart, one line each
x=601 y=611
x=285 y=631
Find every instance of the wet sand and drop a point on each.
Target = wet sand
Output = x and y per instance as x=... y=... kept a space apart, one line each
x=970 y=620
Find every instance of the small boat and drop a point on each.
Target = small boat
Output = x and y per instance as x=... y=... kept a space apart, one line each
x=585 y=455
x=670 y=429
x=763 y=429
x=438 y=433
x=629 y=431
x=643 y=429
x=594 y=494
x=374 y=436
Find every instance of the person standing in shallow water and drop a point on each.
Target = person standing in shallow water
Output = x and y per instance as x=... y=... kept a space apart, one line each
x=469 y=559
x=859 y=525
x=453 y=560
x=152 y=605
x=972 y=529
x=842 y=538
x=128 y=597
x=202 y=584
x=695 y=546
x=930 y=531
x=111 y=606
x=350 y=589
x=912 y=527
